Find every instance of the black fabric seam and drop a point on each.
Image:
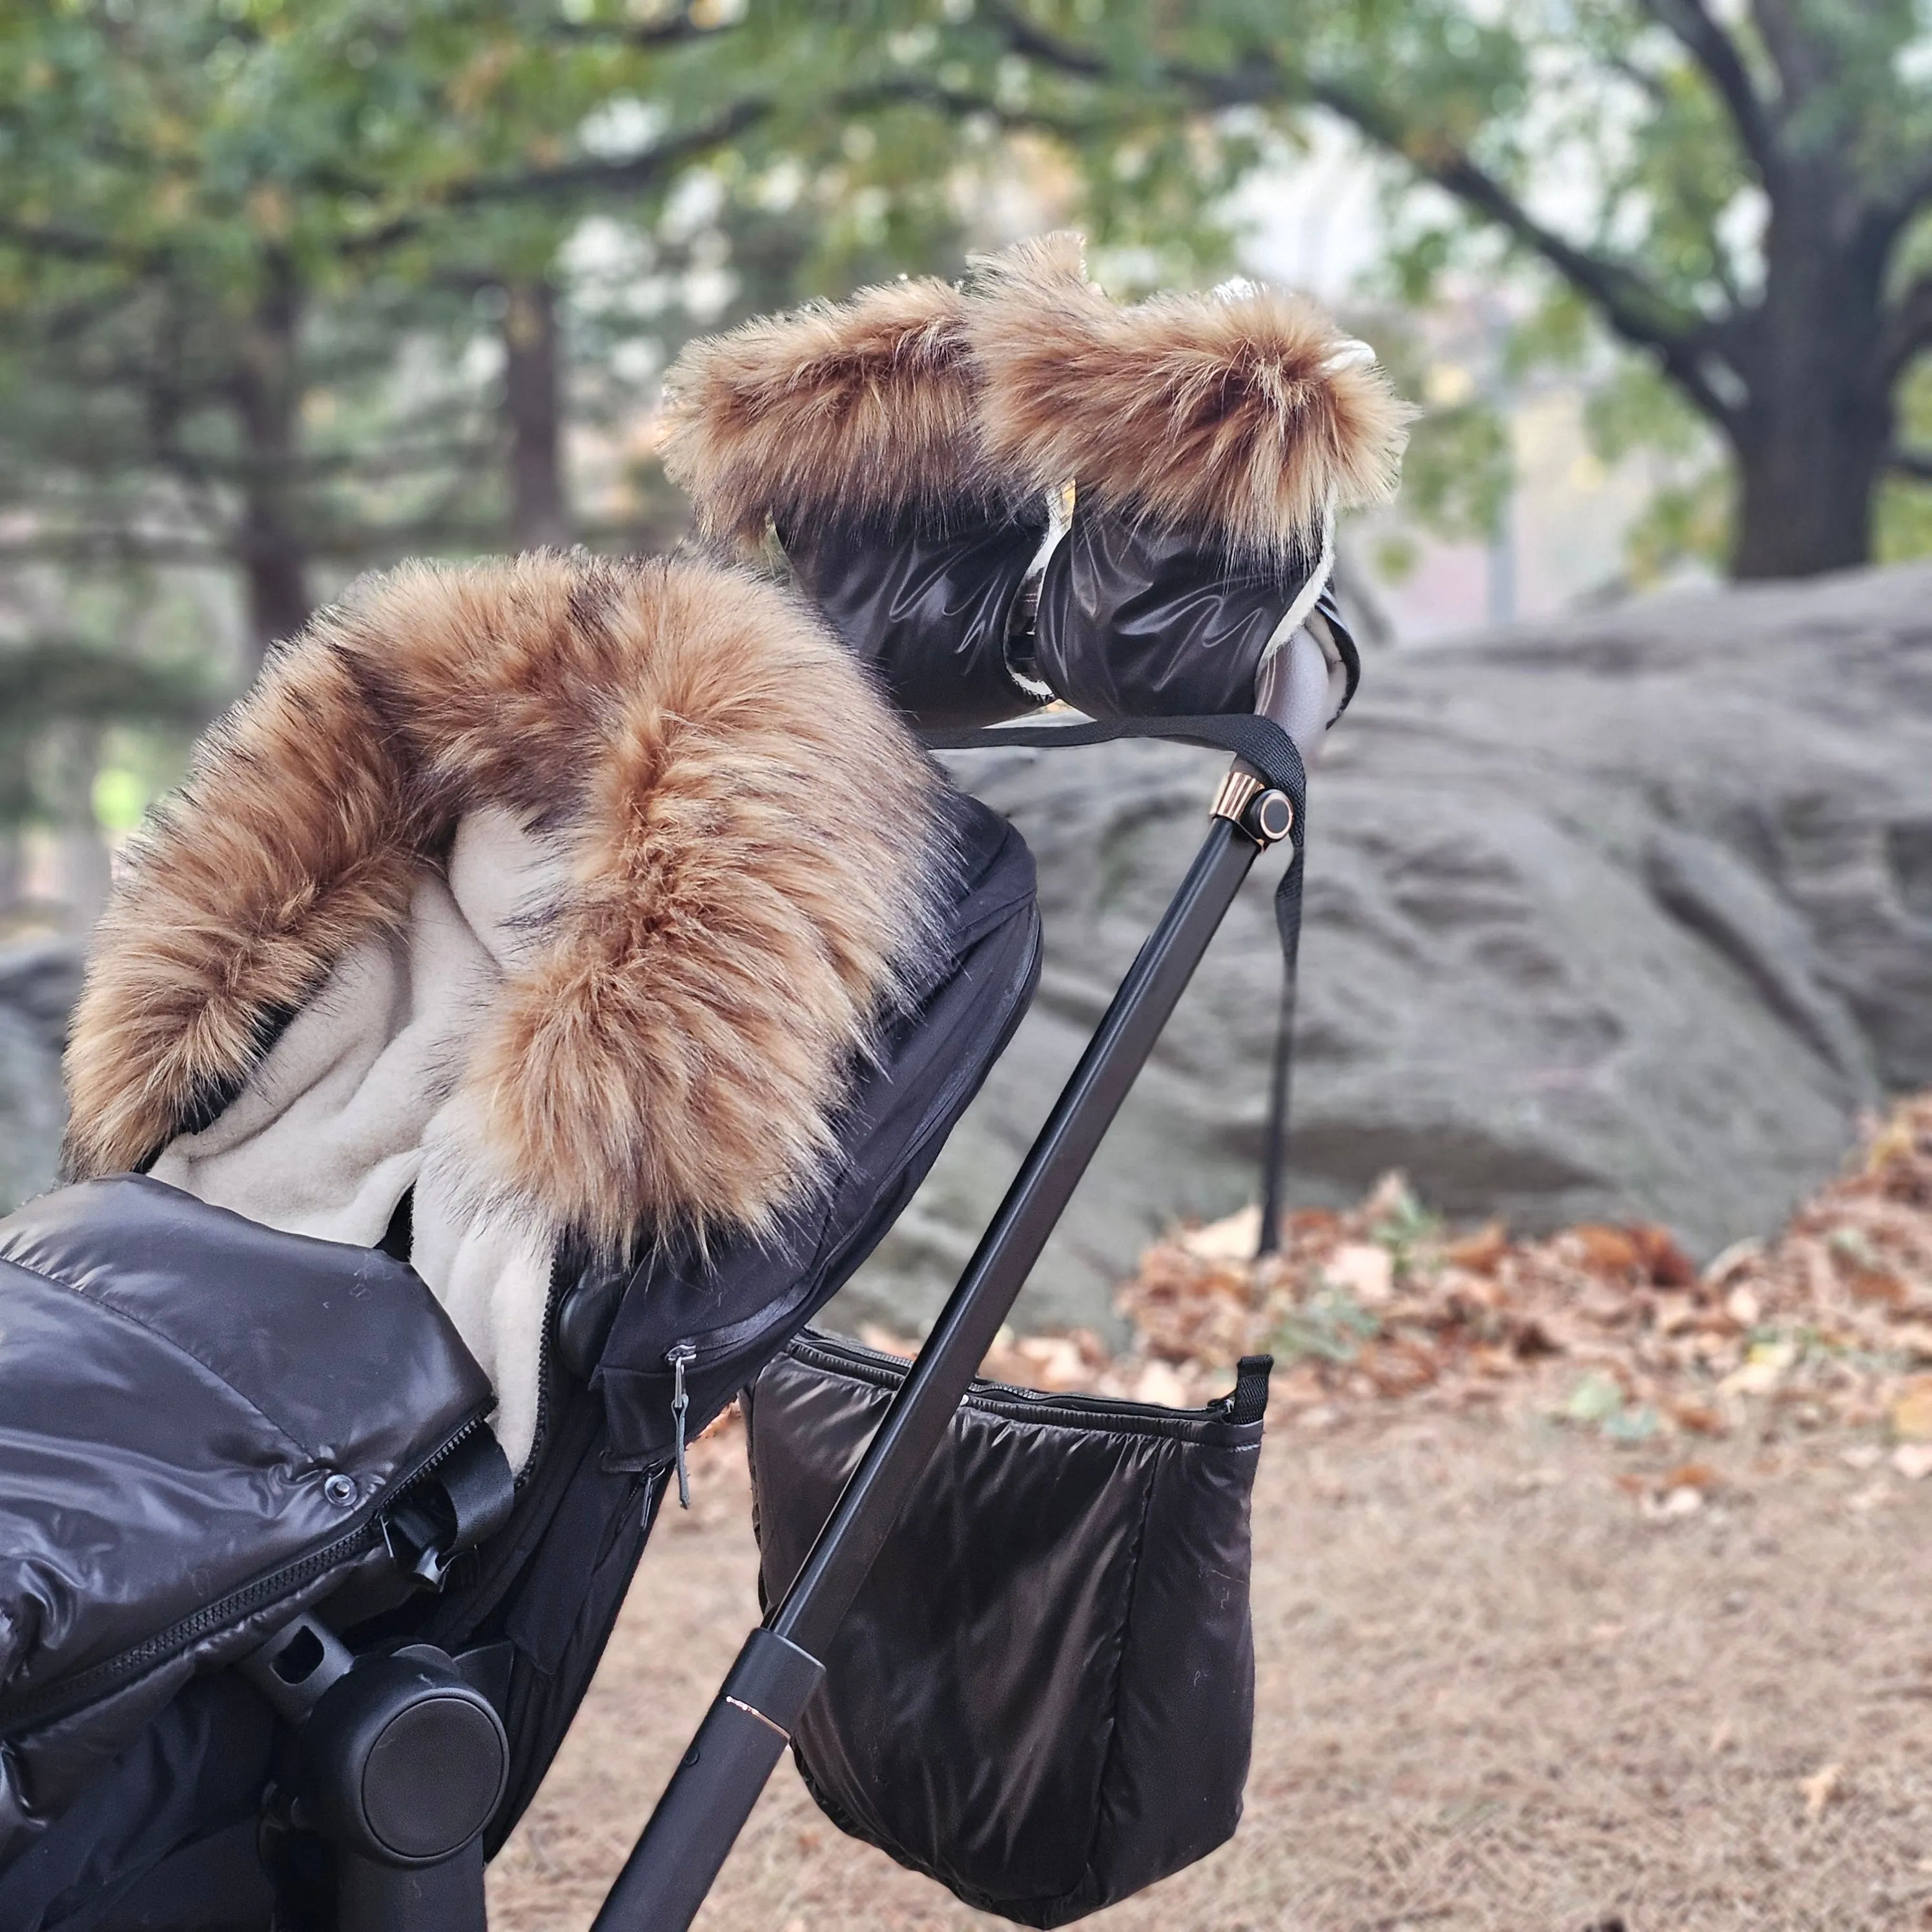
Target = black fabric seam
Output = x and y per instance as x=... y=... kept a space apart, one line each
x=1108 y=1763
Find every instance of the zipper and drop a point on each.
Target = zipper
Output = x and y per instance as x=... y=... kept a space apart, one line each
x=680 y=1355
x=835 y=1354
x=55 y=1699
x=540 y=1434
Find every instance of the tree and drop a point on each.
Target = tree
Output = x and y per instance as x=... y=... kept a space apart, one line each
x=226 y=225
x=1737 y=189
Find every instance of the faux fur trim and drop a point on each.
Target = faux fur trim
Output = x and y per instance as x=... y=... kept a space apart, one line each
x=1243 y=419
x=867 y=406
x=748 y=828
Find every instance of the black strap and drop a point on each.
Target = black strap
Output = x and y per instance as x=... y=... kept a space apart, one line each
x=1261 y=741
x=1264 y=745
x=1249 y=1402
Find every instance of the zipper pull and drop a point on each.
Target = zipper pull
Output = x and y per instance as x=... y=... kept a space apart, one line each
x=680 y=1354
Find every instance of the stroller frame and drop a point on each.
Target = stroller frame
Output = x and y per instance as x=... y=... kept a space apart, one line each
x=711 y=1794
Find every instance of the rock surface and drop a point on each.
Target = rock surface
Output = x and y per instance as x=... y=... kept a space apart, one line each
x=39 y=984
x=1628 y=916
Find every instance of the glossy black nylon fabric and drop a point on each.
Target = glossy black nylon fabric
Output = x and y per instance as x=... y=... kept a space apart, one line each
x=1137 y=620
x=198 y=1415
x=1043 y=1695
x=927 y=605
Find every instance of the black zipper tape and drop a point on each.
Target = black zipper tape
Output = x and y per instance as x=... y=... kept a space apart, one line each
x=57 y=1700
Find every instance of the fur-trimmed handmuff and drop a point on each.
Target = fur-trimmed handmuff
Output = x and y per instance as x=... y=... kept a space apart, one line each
x=1243 y=419
x=853 y=431
x=1209 y=440
x=740 y=833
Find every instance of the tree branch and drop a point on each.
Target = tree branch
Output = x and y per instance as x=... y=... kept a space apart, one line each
x=1632 y=306
x=579 y=178
x=1907 y=331
x=909 y=91
x=1915 y=463
x=1035 y=43
x=1713 y=50
x=68 y=245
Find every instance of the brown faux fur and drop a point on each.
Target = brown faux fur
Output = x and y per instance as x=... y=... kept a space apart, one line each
x=748 y=828
x=1244 y=421
x=867 y=406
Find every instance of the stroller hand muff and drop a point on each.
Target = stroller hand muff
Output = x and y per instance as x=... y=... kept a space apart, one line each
x=908 y=447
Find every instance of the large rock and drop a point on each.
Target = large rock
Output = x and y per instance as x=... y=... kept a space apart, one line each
x=39 y=984
x=1629 y=915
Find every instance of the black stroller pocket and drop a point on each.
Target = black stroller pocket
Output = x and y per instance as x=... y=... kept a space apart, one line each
x=1043 y=1696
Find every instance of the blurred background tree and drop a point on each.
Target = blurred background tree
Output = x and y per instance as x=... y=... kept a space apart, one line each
x=289 y=290
x=1737 y=190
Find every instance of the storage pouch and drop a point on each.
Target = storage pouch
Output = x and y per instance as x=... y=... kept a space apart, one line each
x=1044 y=1696
x=204 y=1426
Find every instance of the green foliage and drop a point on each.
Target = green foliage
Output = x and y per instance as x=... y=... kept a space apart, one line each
x=1633 y=162
x=74 y=681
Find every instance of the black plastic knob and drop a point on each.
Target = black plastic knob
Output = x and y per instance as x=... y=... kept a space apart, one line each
x=1270 y=817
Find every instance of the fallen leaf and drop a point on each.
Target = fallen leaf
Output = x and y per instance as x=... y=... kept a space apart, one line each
x=1739 y=1255
x=1674 y=1314
x=1365 y=1269
x=1878 y=1284
x=1762 y=1370
x=1820 y=1788
x=1660 y=1256
x=1743 y=1307
x=1233 y=1239
x=1480 y=1252
x=1720 y=1737
x=1913 y=1460
x=1691 y=1476
x=1912 y=1413
x=1697 y=1417
x=1608 y=1250
x=1160 y=1384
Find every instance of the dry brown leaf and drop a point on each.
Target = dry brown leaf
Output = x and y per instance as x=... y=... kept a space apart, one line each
x=1821 y=1787
x=1912 y=1411
x=1366 y=1269
x=1481 y=1252
x=1691 y=1476
x=1608 y=1250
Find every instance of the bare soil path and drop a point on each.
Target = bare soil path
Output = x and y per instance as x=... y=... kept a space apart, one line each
x=1500 y=1690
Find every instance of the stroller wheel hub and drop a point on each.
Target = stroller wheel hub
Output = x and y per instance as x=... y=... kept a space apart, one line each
x=402 y=1762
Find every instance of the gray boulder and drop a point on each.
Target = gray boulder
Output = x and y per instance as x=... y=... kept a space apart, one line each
x=39 y=984
x=1626 y=916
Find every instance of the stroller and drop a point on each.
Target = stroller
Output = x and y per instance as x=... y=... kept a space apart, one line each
x=555 y=978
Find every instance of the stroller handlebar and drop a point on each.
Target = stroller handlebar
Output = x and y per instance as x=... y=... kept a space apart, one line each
x=1301 y=685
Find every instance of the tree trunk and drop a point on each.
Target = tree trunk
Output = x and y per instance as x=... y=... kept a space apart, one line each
x=270 y=544
x=1812 y=440
x=533 y=412
x=84 y=871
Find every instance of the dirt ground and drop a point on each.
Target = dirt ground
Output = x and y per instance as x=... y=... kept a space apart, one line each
x=1509 y=1679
